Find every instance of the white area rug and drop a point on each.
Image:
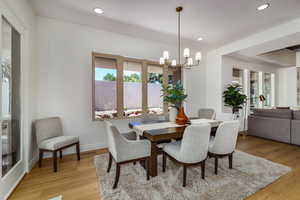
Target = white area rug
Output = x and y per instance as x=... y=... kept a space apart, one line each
x=249 y=174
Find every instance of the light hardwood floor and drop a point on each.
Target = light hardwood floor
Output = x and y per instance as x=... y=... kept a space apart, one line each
x=77 y=180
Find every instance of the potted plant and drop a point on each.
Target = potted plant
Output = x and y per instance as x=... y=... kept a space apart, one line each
x=174 y=95
x=234 y=98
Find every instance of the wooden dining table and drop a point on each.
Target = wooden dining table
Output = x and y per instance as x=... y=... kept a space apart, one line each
x=157 y=136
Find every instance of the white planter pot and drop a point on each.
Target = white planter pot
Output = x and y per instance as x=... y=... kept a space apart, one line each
x=173 y=114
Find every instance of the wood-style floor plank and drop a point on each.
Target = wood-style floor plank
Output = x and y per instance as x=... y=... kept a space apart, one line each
x=77 y=180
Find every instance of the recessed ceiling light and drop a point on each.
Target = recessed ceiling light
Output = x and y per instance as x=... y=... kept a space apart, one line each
x=263 y=6
x=200 y=38
x=98 y=10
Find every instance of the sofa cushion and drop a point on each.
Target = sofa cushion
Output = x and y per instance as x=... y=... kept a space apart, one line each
x=273 y=113
x=296 y=115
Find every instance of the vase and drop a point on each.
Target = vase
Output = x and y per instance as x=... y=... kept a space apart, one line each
x=173 y=114
x=235 y=113
x=181 y=118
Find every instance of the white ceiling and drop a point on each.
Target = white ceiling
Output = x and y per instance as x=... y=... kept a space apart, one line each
x=272 y=52
x=217 y=21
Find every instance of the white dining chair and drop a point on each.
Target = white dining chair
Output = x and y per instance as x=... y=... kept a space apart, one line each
x=123 y=151
x=224 y=142
x=191 y=150
x=207 y=113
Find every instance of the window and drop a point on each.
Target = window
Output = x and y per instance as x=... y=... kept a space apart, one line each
x=128 y=87
x=254 y=89
x=105 y=88
x=132 y=81
x=154 y=84
x=237 y=75
x=267 y=90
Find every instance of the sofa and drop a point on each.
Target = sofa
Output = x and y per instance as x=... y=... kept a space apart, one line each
x=281 y=125
x=295 y=128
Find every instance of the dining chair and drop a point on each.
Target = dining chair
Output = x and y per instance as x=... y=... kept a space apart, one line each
x=123 y=151
x=191 y=150
x=129 y=135
x=50 y=138
x=207 y=113
x=224 y=142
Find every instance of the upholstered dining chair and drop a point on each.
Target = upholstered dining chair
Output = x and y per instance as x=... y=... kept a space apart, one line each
x=207 y=113
x=191 y=150
x=123 y=151
x=50 y=138
x=224 y=143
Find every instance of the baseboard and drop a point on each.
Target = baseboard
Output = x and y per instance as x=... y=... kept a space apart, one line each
x=32 y=162
x=83 y=148
x=14 y=186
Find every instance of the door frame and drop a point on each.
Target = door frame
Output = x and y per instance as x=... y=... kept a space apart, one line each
x=15 y=174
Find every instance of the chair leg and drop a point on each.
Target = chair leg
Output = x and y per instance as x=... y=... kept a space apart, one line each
x=55 y=161
x=203 y=169
x=78 y=150
x=117 y=176
x=60 y=154
x=148 y=168
x=41 y=158
x=184 y=176
x=109 y=163
x=216 y=165
x=164 y=162
x=230 y=158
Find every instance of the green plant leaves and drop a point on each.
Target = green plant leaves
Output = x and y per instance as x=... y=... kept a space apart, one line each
x=174 y=94
x=233 y=96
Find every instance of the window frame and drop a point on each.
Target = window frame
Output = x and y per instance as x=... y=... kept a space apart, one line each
x=120 y=83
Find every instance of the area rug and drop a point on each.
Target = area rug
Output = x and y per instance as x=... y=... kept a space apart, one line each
x=249 y=174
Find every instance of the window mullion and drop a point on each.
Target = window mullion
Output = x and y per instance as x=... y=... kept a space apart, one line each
x=120 y=87
x=144 y=87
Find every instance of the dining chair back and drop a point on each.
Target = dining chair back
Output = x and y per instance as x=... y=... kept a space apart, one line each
x=226 y=138
x=207 y=113
x=194 y=144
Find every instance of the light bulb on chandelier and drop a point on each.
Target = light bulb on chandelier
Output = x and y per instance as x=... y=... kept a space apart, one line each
x=188 y=63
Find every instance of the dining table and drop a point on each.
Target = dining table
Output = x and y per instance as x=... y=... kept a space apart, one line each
x=161 y=131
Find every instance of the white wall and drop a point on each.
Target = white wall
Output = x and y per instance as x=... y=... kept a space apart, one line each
x=22 y=17
x=64 y=84
x=288 y=87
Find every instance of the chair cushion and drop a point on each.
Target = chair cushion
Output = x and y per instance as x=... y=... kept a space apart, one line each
x=130 y=135
x=58 y=142
x=173 y=149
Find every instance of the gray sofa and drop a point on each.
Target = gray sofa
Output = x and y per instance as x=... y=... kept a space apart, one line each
x=281 y=125
x=295 y=128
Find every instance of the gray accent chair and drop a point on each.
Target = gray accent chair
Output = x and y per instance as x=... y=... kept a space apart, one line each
x=274 y=124
x=191 y=150
x=123 y=151
x=224 y=143
x=207 y=113
x=50 y=138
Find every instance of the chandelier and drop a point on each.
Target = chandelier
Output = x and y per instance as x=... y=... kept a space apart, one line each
x=188 y=61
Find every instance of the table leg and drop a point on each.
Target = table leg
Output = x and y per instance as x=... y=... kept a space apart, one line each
x=153 y=159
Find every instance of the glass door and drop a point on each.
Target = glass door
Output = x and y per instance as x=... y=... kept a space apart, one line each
x=10 y=97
